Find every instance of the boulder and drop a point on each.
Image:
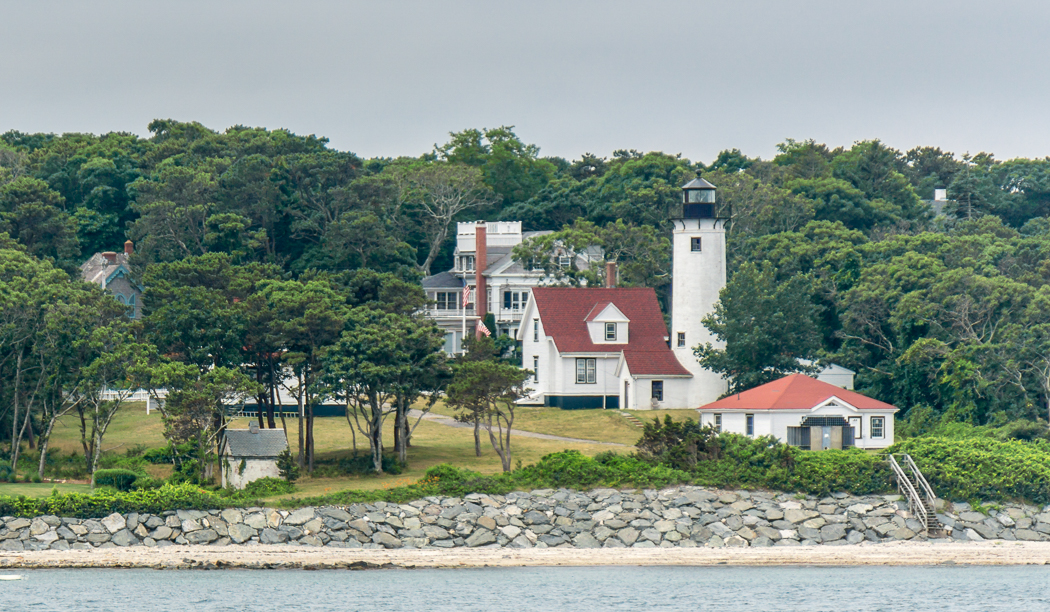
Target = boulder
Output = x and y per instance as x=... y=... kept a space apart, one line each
x=202 y=536
x=586 y=540
x=240 y=533
x=114 y=522
x=124 y=538
x=272 y=536
x=830 y=533
x=386 y=540
x=299 y=517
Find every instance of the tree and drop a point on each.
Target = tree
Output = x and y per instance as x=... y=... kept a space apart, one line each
x=35 y=216
x=766 y=326
x=511 y=168
x=194 y=410
x=106 y=385
x=440 y=191
x=489 y=389
x=381 y=363
x=308 y=315
x=642 y=254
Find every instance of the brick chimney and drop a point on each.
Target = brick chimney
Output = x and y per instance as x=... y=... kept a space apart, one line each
x=129 y=248
x=481 y=257
x=610 y=274
x=110 y=257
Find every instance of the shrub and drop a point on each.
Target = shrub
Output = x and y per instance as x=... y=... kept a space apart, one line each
x=983 y=467
x=119 y=479
x=678 y=444
x=267 y=487
x=106 y=501
x=287 y=466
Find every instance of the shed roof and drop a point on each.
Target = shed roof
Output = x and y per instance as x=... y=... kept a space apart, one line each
x=264 y=443
x=794 y=392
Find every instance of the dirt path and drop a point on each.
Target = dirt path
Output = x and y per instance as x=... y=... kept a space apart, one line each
x=285 y=557
x=450 y=422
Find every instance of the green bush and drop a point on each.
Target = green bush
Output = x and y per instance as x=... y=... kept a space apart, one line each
x=267 y=487
x=989 y=468
x=119 y=479
x=287 y=466
x=107 y=501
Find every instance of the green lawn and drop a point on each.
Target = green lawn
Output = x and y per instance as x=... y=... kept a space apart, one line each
x=41 y=490
x=433 y=443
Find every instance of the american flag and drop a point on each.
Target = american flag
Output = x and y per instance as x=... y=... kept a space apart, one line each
x=466 y=295
x=482 y=329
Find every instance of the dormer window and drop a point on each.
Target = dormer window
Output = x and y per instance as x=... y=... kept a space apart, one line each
x=564 y=261
x=610 y=332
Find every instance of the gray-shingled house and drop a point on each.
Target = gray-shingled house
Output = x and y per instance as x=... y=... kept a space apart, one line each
x=250 y=454
x=111 y=271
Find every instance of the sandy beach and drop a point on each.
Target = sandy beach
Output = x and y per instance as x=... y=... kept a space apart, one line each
x=286 y=557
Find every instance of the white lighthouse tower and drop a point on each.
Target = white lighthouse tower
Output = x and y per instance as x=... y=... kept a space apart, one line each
x=699 y=273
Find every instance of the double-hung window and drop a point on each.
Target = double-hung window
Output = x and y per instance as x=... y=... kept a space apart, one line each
x=586 y=371
x=658 y=390
x=536 y=368
x=535 y=330
x=750 y=424
x=695 y=245
x=878 y=427
x=610 y=332
x=718 y=423
x=681 y=339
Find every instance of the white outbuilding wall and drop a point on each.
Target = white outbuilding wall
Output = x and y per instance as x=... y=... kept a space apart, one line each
x=254 y=469
x=776 y=422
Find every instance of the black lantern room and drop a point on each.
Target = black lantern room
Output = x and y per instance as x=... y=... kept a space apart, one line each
x=698 y=199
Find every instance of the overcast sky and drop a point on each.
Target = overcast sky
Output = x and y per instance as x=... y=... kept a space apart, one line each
x=387 y=78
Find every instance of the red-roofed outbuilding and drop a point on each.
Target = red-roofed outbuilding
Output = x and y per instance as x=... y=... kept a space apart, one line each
x=804 y=411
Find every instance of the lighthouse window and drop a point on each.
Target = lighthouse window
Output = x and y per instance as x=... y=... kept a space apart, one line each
x=681 y=339
x=695 y=243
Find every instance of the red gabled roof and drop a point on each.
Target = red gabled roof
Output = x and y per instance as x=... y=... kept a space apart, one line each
x=794 y=392
x=566 y=310
x=653 y=363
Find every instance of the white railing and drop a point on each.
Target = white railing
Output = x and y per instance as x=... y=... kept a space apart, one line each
x=138 y=395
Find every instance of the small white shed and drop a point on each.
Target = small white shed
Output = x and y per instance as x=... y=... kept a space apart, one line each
x=250 y=454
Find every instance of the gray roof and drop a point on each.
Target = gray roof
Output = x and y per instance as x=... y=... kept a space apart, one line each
x=265 y=443
x=98 y=268
x=698 y=183
x=442 y=280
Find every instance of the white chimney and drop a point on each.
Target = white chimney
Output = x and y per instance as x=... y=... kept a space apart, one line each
x=940 y=195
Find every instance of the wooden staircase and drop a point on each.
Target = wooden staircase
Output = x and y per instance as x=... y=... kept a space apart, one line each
x=921 y=499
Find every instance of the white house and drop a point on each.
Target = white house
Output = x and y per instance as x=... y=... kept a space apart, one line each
x=805 y=412
x=250 y=454
x=610 y=347
x=600 y=348
x=505 y=286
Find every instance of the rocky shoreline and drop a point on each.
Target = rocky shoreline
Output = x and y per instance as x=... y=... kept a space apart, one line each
x=679 y=517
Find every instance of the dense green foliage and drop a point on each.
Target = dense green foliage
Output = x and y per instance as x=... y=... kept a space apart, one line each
x=268 y=257
x=119 y=479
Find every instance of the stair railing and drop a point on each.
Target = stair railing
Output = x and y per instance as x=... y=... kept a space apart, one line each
x=905 y=486
x=921 y=480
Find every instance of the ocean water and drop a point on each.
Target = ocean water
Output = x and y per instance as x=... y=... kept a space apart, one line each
x=722 y=589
